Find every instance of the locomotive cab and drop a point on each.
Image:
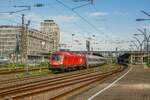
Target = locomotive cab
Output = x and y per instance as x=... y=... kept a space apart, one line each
x=65 y=61
x=55 y=60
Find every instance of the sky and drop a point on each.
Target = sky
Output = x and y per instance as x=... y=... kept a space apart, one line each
x=112 y=22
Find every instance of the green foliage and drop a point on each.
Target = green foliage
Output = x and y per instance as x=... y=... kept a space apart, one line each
x=114 y=61
x=44 y=64
x=12 y=65
x=148 y=63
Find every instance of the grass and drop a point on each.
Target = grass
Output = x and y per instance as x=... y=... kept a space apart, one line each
x=41 y=72
x=105 y=67
x=21 y=66
x=108 y=67
x=148 y=63
x=33 y=73
x=11 y=65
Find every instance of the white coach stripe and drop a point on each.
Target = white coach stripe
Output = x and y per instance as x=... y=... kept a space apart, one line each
x=110 y=85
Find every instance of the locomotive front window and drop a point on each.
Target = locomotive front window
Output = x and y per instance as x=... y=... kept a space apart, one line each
x=56 y=56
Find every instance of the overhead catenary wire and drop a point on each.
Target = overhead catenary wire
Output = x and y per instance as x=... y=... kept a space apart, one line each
x=89 y=23
x=81 y=27
x=81 y=6
x=107 y=25
x=85 y=20
x=106 y=36
x=80 y=16
x=73 y=22
x=18 y=15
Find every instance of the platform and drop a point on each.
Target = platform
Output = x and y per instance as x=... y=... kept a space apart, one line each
x=135 y=85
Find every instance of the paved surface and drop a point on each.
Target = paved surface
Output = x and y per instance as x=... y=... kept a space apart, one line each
x=134 y=86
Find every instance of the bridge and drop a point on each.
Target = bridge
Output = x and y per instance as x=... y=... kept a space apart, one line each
x=110 y=53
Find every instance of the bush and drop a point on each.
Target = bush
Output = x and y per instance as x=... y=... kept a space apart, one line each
x=148 y=63
x=11 y=65
x=14 y=65
x=44 y=64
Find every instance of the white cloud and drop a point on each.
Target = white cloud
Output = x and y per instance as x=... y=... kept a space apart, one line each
x=4 y=15
x=64 y=18
x=102 y=28
x=98 y=13
x=58 y=18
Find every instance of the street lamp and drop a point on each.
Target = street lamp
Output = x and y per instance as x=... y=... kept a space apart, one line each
x=145 y=13
x=72 y=40
x=140 y=46
x=141 y=19
x=90 y=38
x=38 y=5
x=146 y=37
x=131 y=47
x=144 y=33
x=134 y=44
x=27 y=7
x=140 y=43
x=25 y=34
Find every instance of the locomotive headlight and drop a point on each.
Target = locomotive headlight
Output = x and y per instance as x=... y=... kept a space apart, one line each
x=60 y=62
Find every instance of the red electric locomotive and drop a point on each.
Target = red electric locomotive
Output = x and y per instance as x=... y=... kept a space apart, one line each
x=63 y=60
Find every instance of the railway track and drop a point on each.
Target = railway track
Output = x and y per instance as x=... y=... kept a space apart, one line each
x=54 y=85
x=13 y=80
x=83 y=84
x=49 y=78
x=35 y=79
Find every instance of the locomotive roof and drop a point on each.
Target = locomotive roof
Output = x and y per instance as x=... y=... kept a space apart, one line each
x=94 y=56
x=72 y=53
x=67 y=53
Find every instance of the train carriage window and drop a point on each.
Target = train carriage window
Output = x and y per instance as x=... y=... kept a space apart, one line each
x=89 y=59
x=56 y=56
